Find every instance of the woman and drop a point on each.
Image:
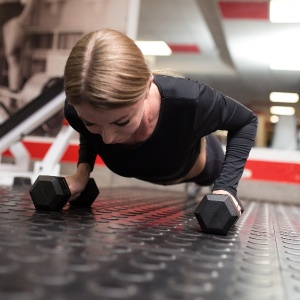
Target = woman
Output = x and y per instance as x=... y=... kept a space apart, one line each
x=156 y=128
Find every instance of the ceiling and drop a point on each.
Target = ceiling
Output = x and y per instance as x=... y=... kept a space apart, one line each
x=227 y=44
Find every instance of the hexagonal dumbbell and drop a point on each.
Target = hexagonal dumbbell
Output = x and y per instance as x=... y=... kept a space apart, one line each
x=217 y=213
x=52 y=193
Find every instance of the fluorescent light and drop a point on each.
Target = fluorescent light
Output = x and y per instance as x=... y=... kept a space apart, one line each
x=290 y=64
x=285 y=56
x=282 y=110
x=284 y=97
x=274 y=119
x=285 y=11
x=155 y=48
x=284 y=49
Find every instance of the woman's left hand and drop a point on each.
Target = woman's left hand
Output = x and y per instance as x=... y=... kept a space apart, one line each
x=222 y=192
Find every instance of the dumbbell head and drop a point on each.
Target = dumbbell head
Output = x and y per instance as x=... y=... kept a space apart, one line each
x=88 y=195
x=216 y=214
x=49 y=193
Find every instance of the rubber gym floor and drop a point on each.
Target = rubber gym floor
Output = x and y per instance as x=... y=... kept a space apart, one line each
x=145 y=244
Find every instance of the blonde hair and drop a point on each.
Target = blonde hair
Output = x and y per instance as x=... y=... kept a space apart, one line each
x=106 y=69
x=168 y=72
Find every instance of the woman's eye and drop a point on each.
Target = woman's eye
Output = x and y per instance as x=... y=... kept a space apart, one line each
x=121 y=124
x=88 y=124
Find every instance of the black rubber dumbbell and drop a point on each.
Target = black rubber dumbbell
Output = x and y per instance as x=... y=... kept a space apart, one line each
x=52 y=193
x=217 y=213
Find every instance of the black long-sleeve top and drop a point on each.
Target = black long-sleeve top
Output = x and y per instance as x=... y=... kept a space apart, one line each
x=189 y=111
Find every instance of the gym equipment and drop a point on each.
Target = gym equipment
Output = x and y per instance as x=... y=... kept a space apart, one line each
x=32 y=115
x=27 y=119
x=20 y=181
x=52 y=193
x=217 y=213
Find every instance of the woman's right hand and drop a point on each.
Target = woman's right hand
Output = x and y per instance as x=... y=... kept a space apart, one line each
x=78 y=181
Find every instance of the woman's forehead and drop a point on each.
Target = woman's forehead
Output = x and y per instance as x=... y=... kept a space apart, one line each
x=89 y=113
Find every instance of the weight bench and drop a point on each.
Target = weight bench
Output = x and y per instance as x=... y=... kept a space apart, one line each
x=27 y=119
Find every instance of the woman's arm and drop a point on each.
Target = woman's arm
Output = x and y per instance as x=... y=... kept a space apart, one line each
x=86 y=155
x=218 y=112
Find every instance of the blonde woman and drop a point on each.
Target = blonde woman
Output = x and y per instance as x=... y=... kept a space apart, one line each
x=156 y=128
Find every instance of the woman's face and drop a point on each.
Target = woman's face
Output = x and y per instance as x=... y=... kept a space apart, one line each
x=115 y=126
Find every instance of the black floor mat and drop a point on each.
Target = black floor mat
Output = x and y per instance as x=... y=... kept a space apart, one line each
x=144 y=244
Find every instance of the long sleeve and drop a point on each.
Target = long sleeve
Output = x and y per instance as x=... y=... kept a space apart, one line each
x=86 y=154
x=219 y=112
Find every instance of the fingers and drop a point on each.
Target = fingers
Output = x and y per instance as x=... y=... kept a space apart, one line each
x=235 y=202
x=75 y=186
x=239 y=209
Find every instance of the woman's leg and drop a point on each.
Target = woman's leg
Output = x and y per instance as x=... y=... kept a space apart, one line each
x=214 y=162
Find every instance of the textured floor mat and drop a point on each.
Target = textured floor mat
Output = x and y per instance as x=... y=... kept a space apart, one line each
x=143 y=244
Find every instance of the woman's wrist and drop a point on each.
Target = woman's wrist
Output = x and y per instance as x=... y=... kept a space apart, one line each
x=83 y=171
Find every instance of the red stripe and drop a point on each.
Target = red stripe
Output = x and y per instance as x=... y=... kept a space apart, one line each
x=284 y=172
x=274 y=171
x=244 y=10
x=71 y=155
x=184 y=48
x=38 y=151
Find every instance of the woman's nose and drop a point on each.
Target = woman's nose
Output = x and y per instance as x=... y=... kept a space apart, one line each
x=108 y=136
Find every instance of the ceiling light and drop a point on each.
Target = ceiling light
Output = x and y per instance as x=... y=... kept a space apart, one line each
x=290 y=64
x=284 y=97
x=154 y=48
x=285 y=11
x=284 y=49
x=274 y=119
x=282 y=110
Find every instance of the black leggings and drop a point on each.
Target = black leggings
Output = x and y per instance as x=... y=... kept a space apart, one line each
x=214 y=162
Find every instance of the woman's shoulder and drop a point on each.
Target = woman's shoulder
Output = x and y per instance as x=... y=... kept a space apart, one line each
x=177 y=87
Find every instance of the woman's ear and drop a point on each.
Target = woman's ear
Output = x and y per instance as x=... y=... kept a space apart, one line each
x=151 y=78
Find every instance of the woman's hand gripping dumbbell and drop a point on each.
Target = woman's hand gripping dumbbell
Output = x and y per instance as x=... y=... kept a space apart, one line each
x=218 y=212
x=52 y=193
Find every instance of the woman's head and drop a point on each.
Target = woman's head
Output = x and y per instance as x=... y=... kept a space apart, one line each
x=106 y=69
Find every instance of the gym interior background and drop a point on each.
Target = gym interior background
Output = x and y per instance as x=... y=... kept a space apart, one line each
x=142 y=240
